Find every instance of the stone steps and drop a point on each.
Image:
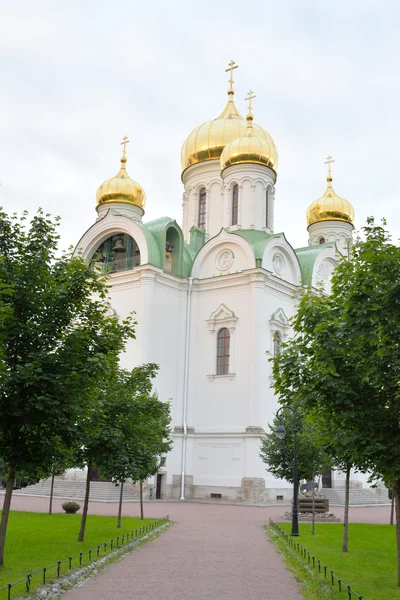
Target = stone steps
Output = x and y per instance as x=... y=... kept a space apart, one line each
x=75 y=490
x=358 y=497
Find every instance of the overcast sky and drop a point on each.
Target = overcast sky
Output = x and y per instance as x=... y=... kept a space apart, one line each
x=78 y=75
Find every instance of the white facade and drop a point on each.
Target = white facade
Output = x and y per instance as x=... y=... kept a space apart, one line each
x=232 y=274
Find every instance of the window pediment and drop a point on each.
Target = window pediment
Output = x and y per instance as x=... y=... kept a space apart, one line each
x=222 y=317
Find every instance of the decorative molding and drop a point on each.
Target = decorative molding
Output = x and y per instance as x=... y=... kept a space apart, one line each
x=222 y=317
x=229 y=376
x=224 y=259
x=280 y=318
x=324 y=275
x=255 y=429
x=278 y=263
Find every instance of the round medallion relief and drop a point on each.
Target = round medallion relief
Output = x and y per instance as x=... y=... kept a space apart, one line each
x=278 y=262
x=224 y=259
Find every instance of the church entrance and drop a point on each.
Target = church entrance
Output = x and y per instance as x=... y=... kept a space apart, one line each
x=327 y=479
x=159 y=486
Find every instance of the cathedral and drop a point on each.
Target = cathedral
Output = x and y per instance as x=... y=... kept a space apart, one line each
x=213 y=298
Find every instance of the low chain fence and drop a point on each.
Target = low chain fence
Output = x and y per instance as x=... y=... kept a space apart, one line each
x=61 y=567
x=316 y=563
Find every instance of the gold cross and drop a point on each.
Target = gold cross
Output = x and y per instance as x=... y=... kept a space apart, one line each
x=124 y=142
x=328 y=162
x=249 y=98
x=230 y=68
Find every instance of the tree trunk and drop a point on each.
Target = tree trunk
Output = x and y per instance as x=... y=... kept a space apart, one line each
x=141 y=499
x=81 y=536
x=396 y=490
x=392 y=506
x=313 y=511
x=6 y=512
x=51 y=495
x=120 y=504
x=345 y=547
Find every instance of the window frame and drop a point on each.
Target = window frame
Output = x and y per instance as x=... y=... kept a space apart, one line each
x=235 y=205
x=223 y=351
x=202 y=212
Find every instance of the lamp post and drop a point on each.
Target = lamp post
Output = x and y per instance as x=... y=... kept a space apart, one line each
x=281 y=432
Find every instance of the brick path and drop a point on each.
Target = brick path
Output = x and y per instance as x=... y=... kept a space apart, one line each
x=212 y=551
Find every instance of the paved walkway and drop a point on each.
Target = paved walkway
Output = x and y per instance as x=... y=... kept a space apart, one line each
x=212 y=551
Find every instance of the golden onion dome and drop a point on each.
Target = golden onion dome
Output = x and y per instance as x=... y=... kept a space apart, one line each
x=121 y=188
x=207 y=141
x=250 y=148
x=330 y=207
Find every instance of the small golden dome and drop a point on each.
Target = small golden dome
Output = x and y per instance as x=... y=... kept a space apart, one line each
x=250 y=149
x=207 y=141
x=121 y=188
x=330 y=207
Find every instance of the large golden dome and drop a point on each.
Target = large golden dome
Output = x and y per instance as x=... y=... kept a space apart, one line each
x=207 y=141
x=330 y=207
x=250 y=148
x=121 y=188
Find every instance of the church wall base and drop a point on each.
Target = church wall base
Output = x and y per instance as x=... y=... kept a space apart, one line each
x=251 y=491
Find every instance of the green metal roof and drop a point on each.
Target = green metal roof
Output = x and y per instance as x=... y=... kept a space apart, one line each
x=257 y=240
x=307 y=257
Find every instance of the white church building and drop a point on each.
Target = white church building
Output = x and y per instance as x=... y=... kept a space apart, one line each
x=213 y=296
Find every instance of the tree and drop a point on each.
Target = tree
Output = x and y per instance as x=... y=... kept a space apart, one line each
x=144 y=429
x=55 y=336
x=60 y=464
x=345 y=361
x=277 y=453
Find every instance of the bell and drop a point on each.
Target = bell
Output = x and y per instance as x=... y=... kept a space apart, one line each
x=119 y=245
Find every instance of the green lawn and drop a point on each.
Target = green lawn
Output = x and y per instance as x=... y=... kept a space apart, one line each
x=37 y=540
x=370 y=566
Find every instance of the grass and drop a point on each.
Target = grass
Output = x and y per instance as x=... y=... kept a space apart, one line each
x=37 y=540
x=370 y=566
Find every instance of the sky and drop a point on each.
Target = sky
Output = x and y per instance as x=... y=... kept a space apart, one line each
x=76 y=76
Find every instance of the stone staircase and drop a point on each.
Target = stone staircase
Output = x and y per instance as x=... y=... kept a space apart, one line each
x=358 y=497
x=75 y=490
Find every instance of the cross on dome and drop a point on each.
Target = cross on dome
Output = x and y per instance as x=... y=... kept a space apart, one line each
x=251 y=95
x=124 y=142
x=328 y=162
x=232 y=65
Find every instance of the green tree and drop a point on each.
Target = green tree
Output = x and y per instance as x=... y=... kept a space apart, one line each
x=345 y=360
x=55 y=336
x=277 y=453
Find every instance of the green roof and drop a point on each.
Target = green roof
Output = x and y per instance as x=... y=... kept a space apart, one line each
x=307 y=257
x=257 y=241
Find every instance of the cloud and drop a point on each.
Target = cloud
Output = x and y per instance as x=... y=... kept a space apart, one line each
x=77 y=76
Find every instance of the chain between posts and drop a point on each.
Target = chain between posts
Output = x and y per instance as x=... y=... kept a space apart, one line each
x=304 y=553
x=43 y=572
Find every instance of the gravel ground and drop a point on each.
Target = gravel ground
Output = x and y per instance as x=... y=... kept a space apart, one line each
x=212 y=551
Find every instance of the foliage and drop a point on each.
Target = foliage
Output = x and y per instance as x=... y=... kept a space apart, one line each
x=56 y=339
x=71 y=504
x=312 y=458
x=344 y=362
x=36 y=540
x=369 y=569
x=127 y=432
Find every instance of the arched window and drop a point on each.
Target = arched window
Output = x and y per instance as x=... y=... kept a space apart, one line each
x=266 y=208
x=235 y=204
x=223 y=345
x=202 y=208
x=322 y=240
x=277 y=343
